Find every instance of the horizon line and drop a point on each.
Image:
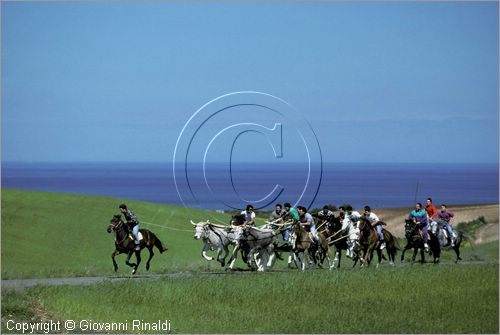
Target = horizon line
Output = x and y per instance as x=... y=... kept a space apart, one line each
x=242 y=162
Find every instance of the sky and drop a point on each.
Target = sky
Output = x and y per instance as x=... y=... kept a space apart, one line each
x=376 y=82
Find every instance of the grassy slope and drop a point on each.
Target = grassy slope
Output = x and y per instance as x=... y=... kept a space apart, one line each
x=54 y=235
x=47 y=234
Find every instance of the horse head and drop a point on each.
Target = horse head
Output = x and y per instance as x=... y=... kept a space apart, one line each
x=115 y=223
x=409 y=228
x=434 y=227
x=335 y=224
x=237 y=220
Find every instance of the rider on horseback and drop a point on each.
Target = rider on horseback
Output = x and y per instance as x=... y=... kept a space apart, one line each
x=419 y=216
x=132 y=222
x=445 y=218
x=326 y=214
x=276 y=216
x=291 y=212
x=431 y=210
x=346 y=213
x=249 y=215
x=352 y=215
x=277 y=213
x=375 y=222
x=307 y=222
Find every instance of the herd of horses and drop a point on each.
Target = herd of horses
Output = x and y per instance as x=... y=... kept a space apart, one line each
x=259 y=247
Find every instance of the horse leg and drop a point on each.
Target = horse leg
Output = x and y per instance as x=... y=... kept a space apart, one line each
x=222 y=260
x=115 y=253
x=232 y=260
x=403 y=252
x=305 y=259
x=366 y=258
x=379 y=256
x=127 y=261
x=138 y=256
x=272 y=257
x=151 y=254
x=415 y=251
x=456 y=248
x=336 y=259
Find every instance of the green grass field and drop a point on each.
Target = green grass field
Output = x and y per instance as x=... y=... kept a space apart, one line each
x=56 y=235
x=418 y=299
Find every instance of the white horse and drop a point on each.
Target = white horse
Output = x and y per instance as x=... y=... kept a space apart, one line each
x=351 y=233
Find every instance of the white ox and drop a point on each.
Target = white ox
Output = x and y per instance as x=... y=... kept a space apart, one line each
x=214 y=237
x=258 y=243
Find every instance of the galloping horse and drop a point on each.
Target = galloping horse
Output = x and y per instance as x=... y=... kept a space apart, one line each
x=301 y=241
x=124 y=243
x=340 y=233
x=414 y=240
x=439 y=241
x=369 y=242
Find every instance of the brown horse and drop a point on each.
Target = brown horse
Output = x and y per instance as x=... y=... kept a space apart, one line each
x=301 y=243
x=124 y=243
x=369 y=242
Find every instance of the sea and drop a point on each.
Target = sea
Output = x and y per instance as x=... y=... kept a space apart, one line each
x=379 y=185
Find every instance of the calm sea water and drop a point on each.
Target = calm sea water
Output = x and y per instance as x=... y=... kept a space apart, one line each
x=377 y=185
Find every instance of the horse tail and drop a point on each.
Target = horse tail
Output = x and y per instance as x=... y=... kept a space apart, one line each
x=462 y=236
x=396 y=243
x=159 y=244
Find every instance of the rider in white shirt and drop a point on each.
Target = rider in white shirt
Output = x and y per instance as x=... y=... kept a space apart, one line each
x=249 y=215
x=375 y=222
x=346 y=213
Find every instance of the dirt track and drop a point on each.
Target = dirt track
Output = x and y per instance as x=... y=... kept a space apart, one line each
x=24 y=283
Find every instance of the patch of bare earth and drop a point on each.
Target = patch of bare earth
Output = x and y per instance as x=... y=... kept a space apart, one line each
x=395 y=219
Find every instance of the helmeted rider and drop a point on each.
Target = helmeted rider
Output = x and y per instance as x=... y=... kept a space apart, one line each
x=132 y=222
x=375 y=222
x=445 y=217
x=419 y=216
x=307 y=222
x=249 y=215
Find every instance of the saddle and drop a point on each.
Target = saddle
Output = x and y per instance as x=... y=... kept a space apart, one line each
x=130 y=236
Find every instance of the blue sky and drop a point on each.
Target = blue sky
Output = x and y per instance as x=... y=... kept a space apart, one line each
x=378 y=82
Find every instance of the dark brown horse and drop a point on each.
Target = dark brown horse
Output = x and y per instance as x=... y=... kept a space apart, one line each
x=124 y=243
x=369 y=242
x=414 y=240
